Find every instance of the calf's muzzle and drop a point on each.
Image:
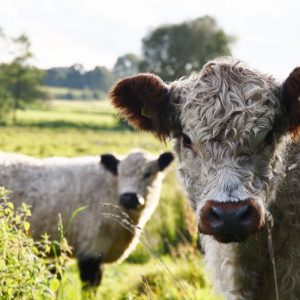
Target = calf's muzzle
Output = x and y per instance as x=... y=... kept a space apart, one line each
x=130 y=200
x=231 y=221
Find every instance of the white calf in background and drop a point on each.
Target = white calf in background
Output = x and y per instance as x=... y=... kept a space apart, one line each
x=115 y=192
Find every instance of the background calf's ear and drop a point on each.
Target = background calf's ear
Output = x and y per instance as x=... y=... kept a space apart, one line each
x=143 y=100
x=164 y=160
x=110 y=163
x=291 y=100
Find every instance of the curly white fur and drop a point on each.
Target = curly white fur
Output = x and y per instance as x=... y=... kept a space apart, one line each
x=227 y=110
x=229 y=113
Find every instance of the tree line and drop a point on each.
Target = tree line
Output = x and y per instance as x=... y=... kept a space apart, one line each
x=170 y=51
x=98 y=79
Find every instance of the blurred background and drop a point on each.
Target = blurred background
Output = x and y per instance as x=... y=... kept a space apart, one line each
x=58 y=60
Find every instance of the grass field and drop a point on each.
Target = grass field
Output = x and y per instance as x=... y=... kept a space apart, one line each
x=72 y=94
x=168 y=267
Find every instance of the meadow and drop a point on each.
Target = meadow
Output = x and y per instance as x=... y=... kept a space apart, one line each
x=166 y=264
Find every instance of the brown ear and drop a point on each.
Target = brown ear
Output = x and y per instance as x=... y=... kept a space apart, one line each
x=291 y=98
x=143 y=100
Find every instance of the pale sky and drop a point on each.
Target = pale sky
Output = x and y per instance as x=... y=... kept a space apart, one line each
x=96 y=32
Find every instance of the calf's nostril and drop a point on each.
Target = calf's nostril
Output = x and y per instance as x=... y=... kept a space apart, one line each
x=129 y=200
x=128 y=196
x=215 y=217
x=246 y=216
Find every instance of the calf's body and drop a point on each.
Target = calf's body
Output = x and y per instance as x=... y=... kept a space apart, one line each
x=103 y=230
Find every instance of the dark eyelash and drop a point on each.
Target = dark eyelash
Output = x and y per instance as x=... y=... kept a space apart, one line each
x=186 y=141
x=269 y=139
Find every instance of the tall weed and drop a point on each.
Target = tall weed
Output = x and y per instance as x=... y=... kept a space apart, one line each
x=25 y=273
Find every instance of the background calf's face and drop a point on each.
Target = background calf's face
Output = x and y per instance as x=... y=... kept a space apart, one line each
x=137 y=175
x=229 y=125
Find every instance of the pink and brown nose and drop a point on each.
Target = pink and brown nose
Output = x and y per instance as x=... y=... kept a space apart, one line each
x=231 y=221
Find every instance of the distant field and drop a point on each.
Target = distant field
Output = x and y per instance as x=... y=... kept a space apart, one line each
x=75 y=128
x=72 y=128
x=73 y=94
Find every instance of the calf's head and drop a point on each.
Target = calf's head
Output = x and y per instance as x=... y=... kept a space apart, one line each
x=139 y=177
x=231 y=126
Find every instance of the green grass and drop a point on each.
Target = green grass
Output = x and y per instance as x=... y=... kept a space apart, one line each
x=71 y=93
x=163 y=279
x=75 y=128
x=65 y=128
x=70 y=115
x=43 y=142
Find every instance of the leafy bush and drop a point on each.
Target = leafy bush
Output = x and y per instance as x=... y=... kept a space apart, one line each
x=24 y=271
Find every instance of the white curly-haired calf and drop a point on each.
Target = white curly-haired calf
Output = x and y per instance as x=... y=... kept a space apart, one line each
x=236 y=138
x=118 y=196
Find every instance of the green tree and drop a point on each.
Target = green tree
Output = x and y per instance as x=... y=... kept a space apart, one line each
x=99 y=79
x=5 y=96
x=6 y=101
x=75 y=77
x=126 y=65
x=172 y=51
x=19 y=80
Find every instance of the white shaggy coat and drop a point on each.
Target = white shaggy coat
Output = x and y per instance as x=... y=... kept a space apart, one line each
x=54 y=186
x=234 y=132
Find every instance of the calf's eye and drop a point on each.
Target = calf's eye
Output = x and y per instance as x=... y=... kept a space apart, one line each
x=269 y=139
x=187 y=141
x=147 y=174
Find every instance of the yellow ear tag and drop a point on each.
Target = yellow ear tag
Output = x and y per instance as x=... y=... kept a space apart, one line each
x=144 y=113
